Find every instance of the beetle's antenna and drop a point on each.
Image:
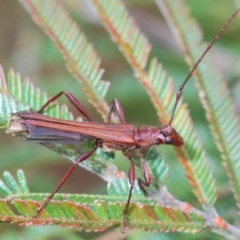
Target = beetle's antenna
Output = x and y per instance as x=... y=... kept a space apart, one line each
x=179 y=92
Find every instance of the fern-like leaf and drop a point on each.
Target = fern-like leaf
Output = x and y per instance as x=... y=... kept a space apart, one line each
x=80 y=56
x=96 y=213
x=45 y=18
x=7 y=103
x=17 y=95
x=91 y=213
x=214 y=94
x=161 y=93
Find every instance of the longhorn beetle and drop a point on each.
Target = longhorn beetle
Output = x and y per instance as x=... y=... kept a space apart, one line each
x=33 y=126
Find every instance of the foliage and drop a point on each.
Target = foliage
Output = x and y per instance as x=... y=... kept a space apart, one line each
x=90 y=213
x=84 y=64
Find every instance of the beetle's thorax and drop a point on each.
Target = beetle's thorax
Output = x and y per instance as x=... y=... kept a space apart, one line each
x=146 y=136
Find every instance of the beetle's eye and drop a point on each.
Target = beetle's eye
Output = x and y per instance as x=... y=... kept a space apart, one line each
x=168 y=140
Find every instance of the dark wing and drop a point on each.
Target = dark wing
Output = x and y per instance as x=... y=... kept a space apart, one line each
x=48 y=135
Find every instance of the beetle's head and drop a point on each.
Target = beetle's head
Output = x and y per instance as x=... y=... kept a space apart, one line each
x=168 y=135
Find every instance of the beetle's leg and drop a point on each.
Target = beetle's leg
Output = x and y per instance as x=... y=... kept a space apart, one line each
x=131 y=176
x=117 y=108
x=145 y=171
x=81 y=158
x=71 y=99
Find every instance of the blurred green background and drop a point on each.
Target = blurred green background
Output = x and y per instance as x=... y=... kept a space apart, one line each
x=25 y=48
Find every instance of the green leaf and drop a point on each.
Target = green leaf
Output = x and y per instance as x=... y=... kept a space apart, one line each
x=107 y=211
x=17 y=95
x=100 y=163
x=101 y=215
x=27 y=96
x=60 y=36
x=10 y=186
x=80 y=56
x=7 y=103
x=124 y=32
x=120 y=187
x=92 y=213
x=23 y=187
x=160 y=90
x=215 y=97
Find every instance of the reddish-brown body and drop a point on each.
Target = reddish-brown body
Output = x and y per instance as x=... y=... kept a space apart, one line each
x=112 y=136
x=33 y=126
